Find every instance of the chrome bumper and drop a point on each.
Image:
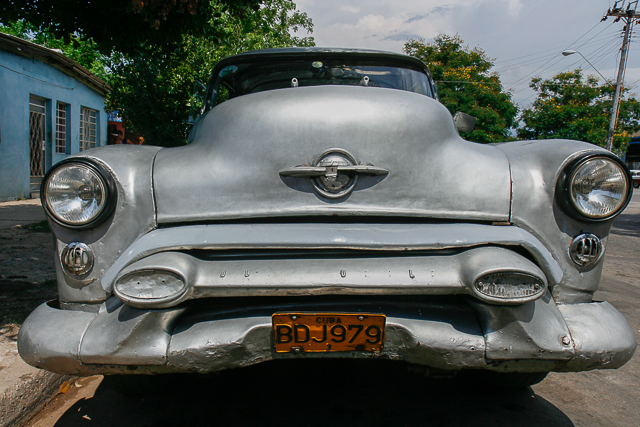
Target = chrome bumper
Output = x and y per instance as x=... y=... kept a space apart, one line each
x=536 y=336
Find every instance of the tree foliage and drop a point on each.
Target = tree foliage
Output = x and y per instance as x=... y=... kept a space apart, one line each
x=153 y=85
x=571 y=106
x=126 y=25
x=84 y=52
x=153 y=91
x=466 y=83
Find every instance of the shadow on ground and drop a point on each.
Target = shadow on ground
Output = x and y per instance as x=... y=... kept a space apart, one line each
x=627 y=224
x=321 y=393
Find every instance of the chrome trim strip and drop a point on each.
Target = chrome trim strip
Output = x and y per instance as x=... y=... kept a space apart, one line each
x=374 y=237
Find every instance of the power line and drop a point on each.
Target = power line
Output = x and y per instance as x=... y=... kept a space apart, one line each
x=604 y=53
x=549 y=50
x=468 y=82
x=535 y=57
x=587 y=33
x=544 y=66
x=599 y=47
x=605 y=28
x=604 y=50
x=554 y=60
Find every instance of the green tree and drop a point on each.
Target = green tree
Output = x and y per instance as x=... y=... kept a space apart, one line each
x=153 y=91
x=466 y=83
x=570 y=106
x=84 y=52
x=125 y=25
x=153 y=85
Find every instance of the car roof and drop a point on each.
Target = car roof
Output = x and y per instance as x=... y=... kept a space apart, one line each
x=287 y=53
x=316 y=52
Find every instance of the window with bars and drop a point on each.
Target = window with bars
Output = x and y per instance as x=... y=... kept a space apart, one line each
x=88 y=128
x=37 y=134
x=62 y=131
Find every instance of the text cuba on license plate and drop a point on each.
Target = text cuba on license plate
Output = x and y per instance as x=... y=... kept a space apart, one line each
x=322 y=332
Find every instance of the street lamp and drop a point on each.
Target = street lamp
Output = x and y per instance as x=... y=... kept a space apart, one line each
x=616 y=95
x=571 y=52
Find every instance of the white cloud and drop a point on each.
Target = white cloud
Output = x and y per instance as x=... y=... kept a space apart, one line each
x=376 y=31
x=514 y=7
x=349 y=8
x=504 y=29
x=378 y=24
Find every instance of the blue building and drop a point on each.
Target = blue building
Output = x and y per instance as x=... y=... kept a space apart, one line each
x=50 y=107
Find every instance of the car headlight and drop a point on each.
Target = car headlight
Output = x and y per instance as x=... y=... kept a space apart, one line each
x=78 y=194
x=595 y=187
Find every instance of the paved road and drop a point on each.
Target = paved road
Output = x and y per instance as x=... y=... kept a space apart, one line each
x=20 y=212
x=314 y=395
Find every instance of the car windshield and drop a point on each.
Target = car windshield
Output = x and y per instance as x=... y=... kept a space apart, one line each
x=245 y=78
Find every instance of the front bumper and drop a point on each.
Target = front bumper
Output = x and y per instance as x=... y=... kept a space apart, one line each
x=449 y=333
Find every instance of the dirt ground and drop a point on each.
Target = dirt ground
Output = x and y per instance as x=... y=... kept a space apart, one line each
x=27 y=272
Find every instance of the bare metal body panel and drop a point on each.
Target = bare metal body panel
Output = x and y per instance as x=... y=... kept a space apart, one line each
x=535 y=167
x=247 y=140
x=439 y=335
x=246 y=217
x=373 y=238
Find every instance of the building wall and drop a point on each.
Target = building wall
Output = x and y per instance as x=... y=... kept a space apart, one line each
x=19 y=78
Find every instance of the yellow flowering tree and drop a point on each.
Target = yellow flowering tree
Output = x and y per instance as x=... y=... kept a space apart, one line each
x=571 y=106
x=466 y=83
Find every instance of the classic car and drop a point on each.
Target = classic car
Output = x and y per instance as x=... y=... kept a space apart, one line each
x=317 y=212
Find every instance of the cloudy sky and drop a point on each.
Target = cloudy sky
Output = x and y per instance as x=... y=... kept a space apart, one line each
x=524 y=37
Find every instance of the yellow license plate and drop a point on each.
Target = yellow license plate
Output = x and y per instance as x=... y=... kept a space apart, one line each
x=328 y=332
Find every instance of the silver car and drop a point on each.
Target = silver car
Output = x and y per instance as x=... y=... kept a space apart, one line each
x=318 y=212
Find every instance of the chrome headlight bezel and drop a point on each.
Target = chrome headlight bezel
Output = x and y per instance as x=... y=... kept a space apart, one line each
x=564 y=184
x=108 y=184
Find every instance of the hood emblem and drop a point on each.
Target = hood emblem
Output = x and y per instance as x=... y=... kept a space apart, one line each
x=334 y=173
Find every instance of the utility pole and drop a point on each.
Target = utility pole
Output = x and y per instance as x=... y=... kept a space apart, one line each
x=629 y=16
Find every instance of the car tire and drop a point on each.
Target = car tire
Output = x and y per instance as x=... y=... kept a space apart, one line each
x=636 y=184
x=131 y=385
x=508 y=379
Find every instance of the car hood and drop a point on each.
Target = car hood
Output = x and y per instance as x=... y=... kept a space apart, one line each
x=232 y=168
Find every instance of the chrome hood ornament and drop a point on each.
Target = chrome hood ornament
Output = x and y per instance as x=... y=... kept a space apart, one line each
x=334 y=173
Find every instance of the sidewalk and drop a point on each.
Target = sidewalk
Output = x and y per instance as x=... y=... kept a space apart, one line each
x=23 y=389
x=20 y=212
